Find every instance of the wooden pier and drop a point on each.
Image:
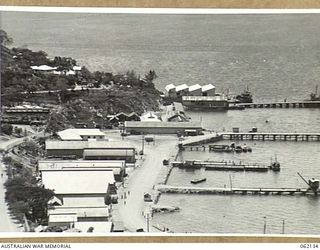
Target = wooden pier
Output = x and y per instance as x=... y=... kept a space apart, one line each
x=296 y=104
x=271 y=136
x=223 y=166
x=237 y=191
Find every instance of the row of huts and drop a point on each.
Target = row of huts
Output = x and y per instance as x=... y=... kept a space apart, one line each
x=174 y=91
x=82 y=168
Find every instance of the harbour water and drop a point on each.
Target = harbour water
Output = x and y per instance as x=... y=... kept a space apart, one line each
x=276 y=56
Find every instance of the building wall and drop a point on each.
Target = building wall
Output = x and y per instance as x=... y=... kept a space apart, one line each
x=210 y=92
x=197 y=92
x=65 y=152
x=167 y=130
x=83 y=201
x=126 y=158
x=96 y=137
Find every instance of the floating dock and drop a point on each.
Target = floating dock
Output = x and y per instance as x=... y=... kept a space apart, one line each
x=239 y=191
x=277 y=136
x=296 y=104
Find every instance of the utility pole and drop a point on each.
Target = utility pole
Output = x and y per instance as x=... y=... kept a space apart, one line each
x=283 y=223
x=230 y=182
x=265 y=225
x=142 y=147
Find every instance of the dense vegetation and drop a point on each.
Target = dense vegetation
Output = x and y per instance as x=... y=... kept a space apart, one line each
x=24 y=196
x=100 y=93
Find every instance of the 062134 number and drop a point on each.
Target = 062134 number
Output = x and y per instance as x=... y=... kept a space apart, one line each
x=308 y=245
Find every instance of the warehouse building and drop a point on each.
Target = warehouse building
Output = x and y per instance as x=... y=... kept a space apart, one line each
x=118 y=167
x=208 y=90
x=162 y=127
x=74 y=134
x=195 y=90
x=75 y=149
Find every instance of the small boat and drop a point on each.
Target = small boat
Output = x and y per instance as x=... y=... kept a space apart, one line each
x=238 y=149
x=220 y=148
x=196 y=181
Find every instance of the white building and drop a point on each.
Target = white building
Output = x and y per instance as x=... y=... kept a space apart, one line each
x=208 y=90
x=79 y=187
x=170 y=90
x=195 y=90
x=73 y=134
x=182 y=90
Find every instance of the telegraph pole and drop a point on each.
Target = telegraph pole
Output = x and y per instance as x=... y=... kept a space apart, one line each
x=265 y=225
x=142 y=147
x=283 y=222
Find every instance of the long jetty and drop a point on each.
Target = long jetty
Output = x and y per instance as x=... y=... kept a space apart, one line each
x=276 y=136
x=292 y=104
x=223 y=166
x=239 y=191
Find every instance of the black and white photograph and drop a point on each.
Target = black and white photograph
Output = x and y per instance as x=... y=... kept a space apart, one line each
x=160 y=123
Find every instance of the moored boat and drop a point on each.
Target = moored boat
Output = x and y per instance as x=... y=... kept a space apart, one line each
x=196 y=181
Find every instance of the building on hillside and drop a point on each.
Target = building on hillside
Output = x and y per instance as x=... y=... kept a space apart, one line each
x=195 y=90
x=122 y=117
x=118 y=167
x=43 y=69
x=182 y=90
x=205 y=102
x=170 y=90
x=25 y=114
x=74 y=134
x=80 y=188
x=75 y=149
x=208 y=90
x=162 y=127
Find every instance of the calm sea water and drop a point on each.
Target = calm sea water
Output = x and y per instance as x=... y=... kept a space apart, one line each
x=276 y=56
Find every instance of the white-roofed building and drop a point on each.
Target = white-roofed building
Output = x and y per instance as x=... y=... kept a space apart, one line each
x=195 y=90
x=73 y=134
x=69 y=216
x=170 y=90
x=43 y=68
x=208 y=90
x=118 y=167
x=182 y=90
x=76 y=68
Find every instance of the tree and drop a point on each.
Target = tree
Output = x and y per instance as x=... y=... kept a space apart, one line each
x=7 y=129
x=151 y=75
x=17 y=130
x=4 y=38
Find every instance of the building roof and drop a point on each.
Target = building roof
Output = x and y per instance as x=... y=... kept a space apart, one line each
x=182 y=87
x=75 y=134
x=150 y=116
x=43 y=68
x=207 y=87
x=98 y=226
x=170 y=87
x=70 y=72
x=182 y=125
x=78 y=182
x=47 y=165
x=195 y=87
x=205 y=98
x=78 y=145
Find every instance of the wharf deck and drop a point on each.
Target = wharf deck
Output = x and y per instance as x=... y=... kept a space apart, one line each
x=276 y=136
x=293 y=104
x=224 y=166
x=200 y=139
x=239 y=191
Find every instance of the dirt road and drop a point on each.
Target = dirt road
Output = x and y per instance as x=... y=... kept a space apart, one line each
x=142 y=180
